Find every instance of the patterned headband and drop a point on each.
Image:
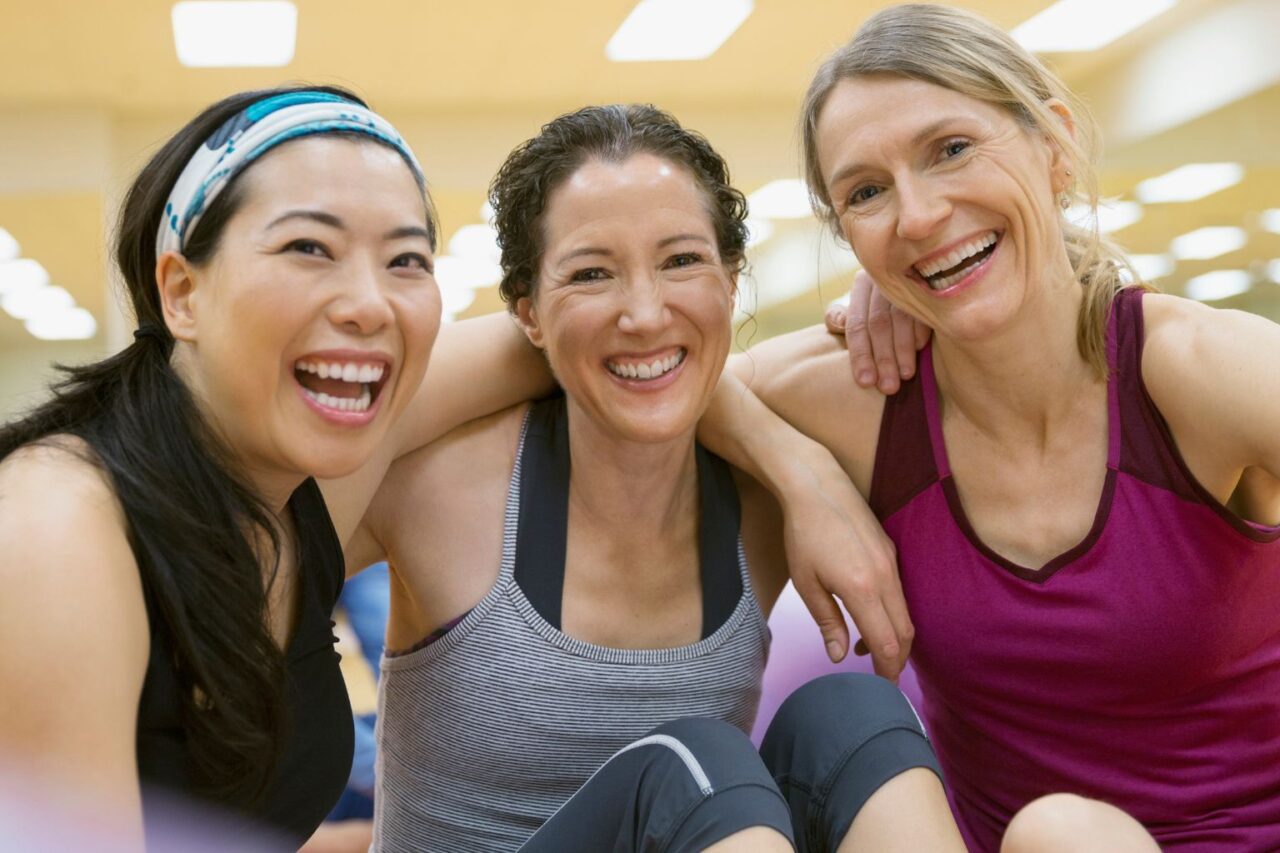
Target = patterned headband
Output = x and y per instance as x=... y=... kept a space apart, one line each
x=253 y=132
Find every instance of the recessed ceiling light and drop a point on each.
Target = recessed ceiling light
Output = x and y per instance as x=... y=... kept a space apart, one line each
x=758 y=230
x=1151 y=267
x=476 y=241
x=225 y=33
x=1273 y=270
x=8 y=246
x=1076 y=25
x=784 y=199
x=1112 y=216
x=29 y=303
x=665 y=30
x=1190 y=182
x=71 y=324
x=1270 y=220
x=22 y=274
x=1218 y=284
x=1205 y=243
x=466 y=272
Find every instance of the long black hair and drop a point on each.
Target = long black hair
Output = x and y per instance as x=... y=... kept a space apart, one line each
x=200 y=534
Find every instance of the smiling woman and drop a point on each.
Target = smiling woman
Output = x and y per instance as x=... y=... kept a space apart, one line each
x=1083 y=480
x=277 y=233
x=579 y=619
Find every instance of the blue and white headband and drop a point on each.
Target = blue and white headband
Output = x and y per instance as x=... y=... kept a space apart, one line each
x=253 y=132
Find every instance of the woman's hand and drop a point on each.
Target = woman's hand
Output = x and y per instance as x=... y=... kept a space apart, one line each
x=836 y=549
x=882 y=339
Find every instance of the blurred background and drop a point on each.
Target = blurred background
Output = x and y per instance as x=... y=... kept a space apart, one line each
x=1187 y=93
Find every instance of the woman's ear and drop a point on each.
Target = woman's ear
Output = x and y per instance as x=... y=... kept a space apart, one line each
x=1060 y=160
x=527 y=317
x=176 y=282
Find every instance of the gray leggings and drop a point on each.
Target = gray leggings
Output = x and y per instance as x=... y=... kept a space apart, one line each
x=693 y=782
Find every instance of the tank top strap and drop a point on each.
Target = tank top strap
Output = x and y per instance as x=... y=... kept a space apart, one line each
x=542 y=507
x=537 y=522
x=511 y=514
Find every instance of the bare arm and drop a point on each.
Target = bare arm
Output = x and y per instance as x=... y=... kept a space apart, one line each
x=834 y=545
x=1213 y=374
x=74 y=644
x=478 y=367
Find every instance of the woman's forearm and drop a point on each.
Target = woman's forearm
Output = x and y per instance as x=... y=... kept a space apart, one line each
x=478 y=367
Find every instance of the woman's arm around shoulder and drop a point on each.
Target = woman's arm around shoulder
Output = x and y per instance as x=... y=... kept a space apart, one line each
x=478 y=367
x=74 y=640
x=804 y=376
x=834 y=546
x=1215 y=376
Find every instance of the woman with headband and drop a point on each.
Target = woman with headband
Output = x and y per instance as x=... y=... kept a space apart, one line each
x=166 y=546
x=1083 y=479
x=278 y=255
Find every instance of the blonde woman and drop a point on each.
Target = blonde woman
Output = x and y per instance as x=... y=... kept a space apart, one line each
x=1092 y=620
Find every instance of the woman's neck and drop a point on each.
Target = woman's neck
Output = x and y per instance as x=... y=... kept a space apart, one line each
x=640 y=492
x=1025 y=378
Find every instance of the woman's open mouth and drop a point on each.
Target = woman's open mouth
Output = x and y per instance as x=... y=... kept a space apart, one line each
x=342 y=385
x=942 y=273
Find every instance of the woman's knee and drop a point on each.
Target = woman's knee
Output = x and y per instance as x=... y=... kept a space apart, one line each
x=1067 y=823
x=833 y=700
x=833 y=743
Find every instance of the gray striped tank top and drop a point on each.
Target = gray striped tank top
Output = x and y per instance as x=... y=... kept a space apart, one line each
x=483 y=734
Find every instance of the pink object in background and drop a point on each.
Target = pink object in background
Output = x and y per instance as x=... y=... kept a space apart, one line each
x=797 y=655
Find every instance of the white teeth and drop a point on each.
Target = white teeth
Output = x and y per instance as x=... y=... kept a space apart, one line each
x=342 y=404
x=957 y=255
x=347 y=372
x=642 y=370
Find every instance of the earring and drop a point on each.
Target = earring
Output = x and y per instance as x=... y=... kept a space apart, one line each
x=1064 y=200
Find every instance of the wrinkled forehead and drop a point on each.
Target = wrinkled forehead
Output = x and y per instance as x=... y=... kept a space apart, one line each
x=877 y=116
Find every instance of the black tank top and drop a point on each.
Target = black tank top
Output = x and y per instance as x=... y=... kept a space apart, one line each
x=315 y=760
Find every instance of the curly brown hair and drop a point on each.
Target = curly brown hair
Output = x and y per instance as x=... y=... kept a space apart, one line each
x=612 y=134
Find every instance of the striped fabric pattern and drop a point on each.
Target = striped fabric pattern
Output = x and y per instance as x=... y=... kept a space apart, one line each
x=483 y=734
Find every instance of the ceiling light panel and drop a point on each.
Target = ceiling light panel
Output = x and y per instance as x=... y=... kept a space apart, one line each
x=31 y=303
x=784 y=199
x=1270 y=220
x=1190 y=182
x=1078 y=25
x=1111 y=216
x=71 y=324
x=1205 y=243
x=1219 y=284
x=253 y=33
x=1151 y=267
x=670 y=30
x=21 y=274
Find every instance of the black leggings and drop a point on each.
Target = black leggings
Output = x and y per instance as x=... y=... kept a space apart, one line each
x=693 y=782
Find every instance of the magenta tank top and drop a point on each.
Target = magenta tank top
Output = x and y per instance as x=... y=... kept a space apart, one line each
x=1141 y=667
